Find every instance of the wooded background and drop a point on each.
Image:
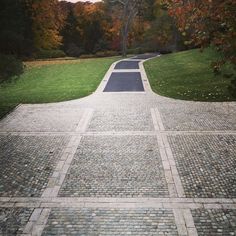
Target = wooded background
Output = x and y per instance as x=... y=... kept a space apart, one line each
x=31 y=29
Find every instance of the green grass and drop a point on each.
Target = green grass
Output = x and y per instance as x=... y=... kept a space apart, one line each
x=54 y=81
x=188 y=76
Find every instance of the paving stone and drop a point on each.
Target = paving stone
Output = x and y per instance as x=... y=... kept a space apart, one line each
x=48 y=118
x=206 y=164
x=13 y=221
x=123 y=166
x=94 y=222
x=179 y=115
x=119 y=165
x=27 y=162
x=215 y=222
x=121 y=120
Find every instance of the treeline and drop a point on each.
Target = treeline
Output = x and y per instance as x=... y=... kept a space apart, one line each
x=44 y=28
x=49 y=28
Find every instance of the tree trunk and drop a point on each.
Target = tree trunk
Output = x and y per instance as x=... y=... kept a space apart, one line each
x=130 y=10
x=124 y=44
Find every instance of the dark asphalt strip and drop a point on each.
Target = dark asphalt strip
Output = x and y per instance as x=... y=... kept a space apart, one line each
x=127 y=65
x=124 y=82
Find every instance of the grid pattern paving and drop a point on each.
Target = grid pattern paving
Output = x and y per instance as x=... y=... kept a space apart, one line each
x=206 y=164
x=13 y=220
x=119 y=164
x=198 y=116
x=127 y=166
x=41 y=119
x=27 y=162
x=215 y=222
x=121 y=120
x=110 y=222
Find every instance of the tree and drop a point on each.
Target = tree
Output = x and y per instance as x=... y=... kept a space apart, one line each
x=87 y=28
x=207 y=22
x=46 y=23
x=93 y=24
x=128 y=9
x=162 y=34
x=15 y=28
x=69 y=32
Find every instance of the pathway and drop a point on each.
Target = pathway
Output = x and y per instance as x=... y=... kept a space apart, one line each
x=123 y=161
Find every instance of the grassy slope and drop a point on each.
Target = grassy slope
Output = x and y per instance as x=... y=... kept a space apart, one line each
x=187 y=75
x=54 y=82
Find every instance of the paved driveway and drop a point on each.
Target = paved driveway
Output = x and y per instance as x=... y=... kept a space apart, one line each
x=127 y=162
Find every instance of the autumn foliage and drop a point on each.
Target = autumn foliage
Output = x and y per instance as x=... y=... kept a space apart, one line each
x=27 y=26
x=41 y=28
x=45 y=23
x=207 y=22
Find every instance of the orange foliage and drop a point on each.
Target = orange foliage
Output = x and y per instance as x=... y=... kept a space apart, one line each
x=45 y=23
x=207 y=22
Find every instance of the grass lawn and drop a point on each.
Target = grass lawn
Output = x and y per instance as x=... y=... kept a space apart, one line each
x=54 y=81
x=187 y=75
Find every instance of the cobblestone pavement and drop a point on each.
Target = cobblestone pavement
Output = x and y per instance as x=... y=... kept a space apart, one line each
x=129 y=167
x=27 y=162
x=215 y=222
x=111 y=222
x=206 y=164
x=13 y=220
x=129 y=163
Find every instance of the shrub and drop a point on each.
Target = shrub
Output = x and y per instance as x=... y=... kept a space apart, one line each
x=102 y=45
x=139 y=50
x=73 y=50
x=84 y=56
x=53 y=53
x=13 y=43
x=165 y=52
x=100 y=54
x=232 y=87
x=232 y=77
x=133 y=51
x=106 y=54
x=10 y=67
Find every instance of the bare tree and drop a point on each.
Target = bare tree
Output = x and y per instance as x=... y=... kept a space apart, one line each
x=129 y=10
